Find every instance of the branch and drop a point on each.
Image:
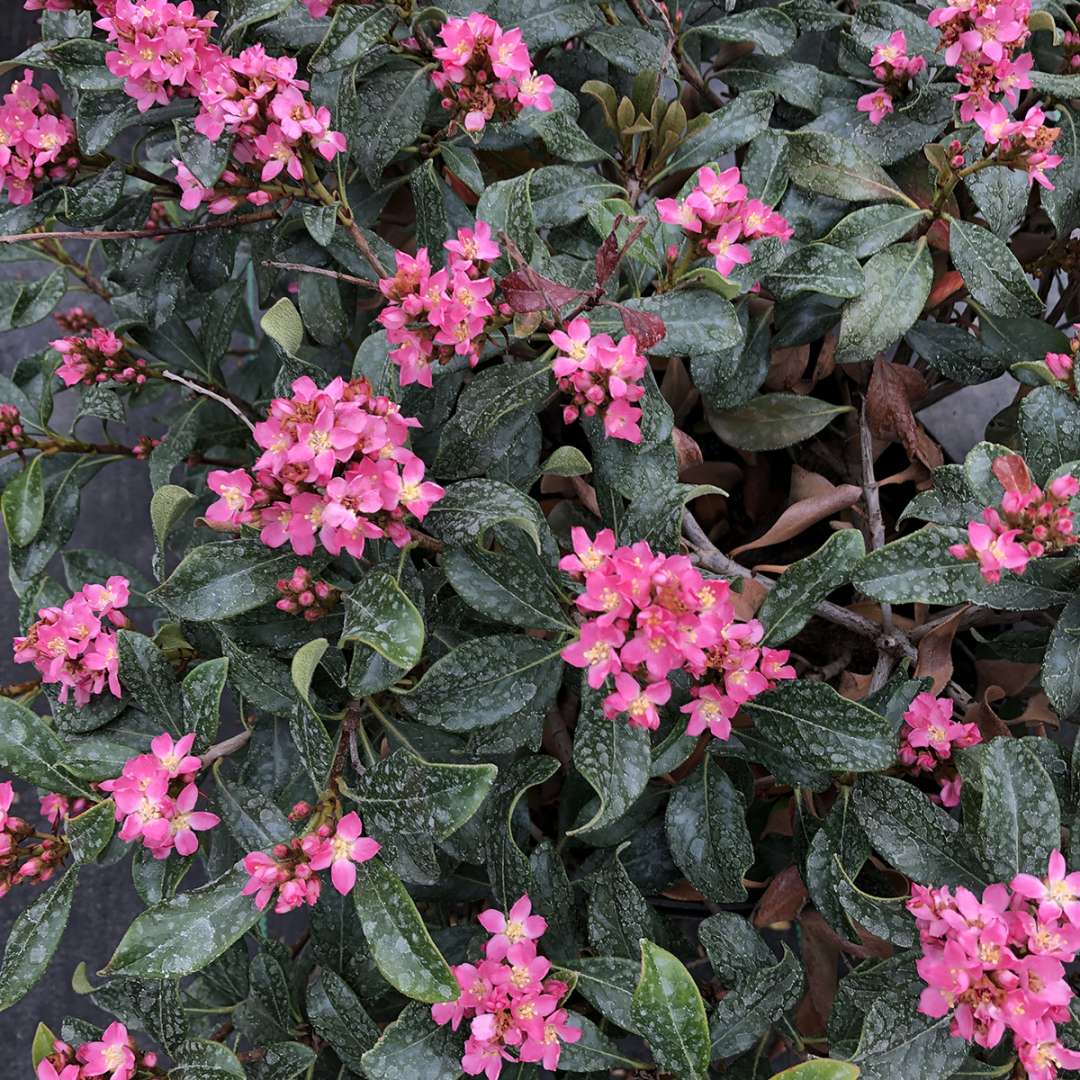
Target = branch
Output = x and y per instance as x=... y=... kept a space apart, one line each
x=225 y=748
x=143 y=234
x=205 y=391
x=871 y=497
x=303 y=268
x=713 y=559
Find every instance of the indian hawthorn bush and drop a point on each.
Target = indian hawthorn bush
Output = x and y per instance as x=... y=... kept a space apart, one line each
x=466 y=351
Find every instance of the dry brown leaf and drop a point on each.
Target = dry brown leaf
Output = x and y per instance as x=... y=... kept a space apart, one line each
x=799 y=517
x=821 y=955
x=935 y=652
x=982 y=714
x=747 y=602
x=1011 y=676
x=786 y=367
x=805 y=484
x=854 y=686
x=687 y=452
x=893 y=389
x=782 y=900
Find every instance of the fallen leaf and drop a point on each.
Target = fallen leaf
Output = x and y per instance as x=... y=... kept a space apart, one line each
x=935 y=652
x=784 y=898
x=799 y=517
x=893 y=389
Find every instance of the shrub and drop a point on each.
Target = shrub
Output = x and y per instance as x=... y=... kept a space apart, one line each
x=466 y=353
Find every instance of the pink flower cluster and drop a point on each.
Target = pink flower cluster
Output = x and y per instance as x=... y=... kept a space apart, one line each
x=895 y=70
x=26 y=857
x=50 y=5
x=302 y=594
x=717 y=216
x=998 y=964
x=163 y=50
x=290 y=869
x=927 y=740
x=649 y=615
x=96 y=358
x=318 y=8
x=1029 y=523
x=600 y=377
x=334 y=466
x=155 y=797
x=510 y=1003
x=1063 y=366
x=12 y=432
x=73 y=645
x=434 y=316
x=75 y=320
x=486 y=73
x=37 y=141
x=112 y=1057
x=983 y=39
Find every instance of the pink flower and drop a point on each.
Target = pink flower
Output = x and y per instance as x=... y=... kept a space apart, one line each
x=510 y=929
x=346 y=848
x=47 y=1071
x=112 y=1057
x=597 y=650
x=235 y=490
x=175 y=758
x=710 y=709
x=640 y=703
x=1057 y=894
x=547 y=1048
x=878 y=103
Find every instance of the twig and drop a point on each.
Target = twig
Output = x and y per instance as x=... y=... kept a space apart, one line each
x=205 y=391
x=713 y=559
x=303 y=268
x=142 y=234
x=871 y=497
x=225 y=748
x=365 y=248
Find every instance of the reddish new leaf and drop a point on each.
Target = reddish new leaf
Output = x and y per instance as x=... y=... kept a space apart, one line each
x=527 y=290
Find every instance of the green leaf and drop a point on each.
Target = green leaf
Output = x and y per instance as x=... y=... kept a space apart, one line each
x=250 y=815
x=804 y=584
x=484 y=681
x=614 y=759
x=919 y=569
x=918 y=838
x=42 y=1046
x=414 y=1046
x=400 y=943
x=696 y=321
x=865 y=231
x=754 y=1005
x=149 y=678
x=354 y=32
x=491 y=412
x=285 y=1061
x=23 y=504
x=100 y=116
x=283 y=323
x=413 y=803
x=470 y=508
x=593 y=1052
x=34 y=937
x=735 y=950
x=817 y=268
x=506 y=206
x=1049 y=429
x=991 y=272
x=200 y=1059
x=167 y=505
x=90 y=832
x=566 y=461
x=305 y=663
x=617 y=914
x=824 y=729
x=205 y=159
x=630 y=48
x=183 y=934
x=954 y=352
x=830 y=165
x=768 y=28
x=668 y=1012
x=773 y=421
x=707 y=833
x=380 y=615
x=722 y=131
x=223 y=579
x=504 y=588
x=338 y=1016
x=898 y=282
x=1061 y=664
x=31 y=751
x=392 y=104
x=1019 y=819
x=606 y=983
x=200 y=699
